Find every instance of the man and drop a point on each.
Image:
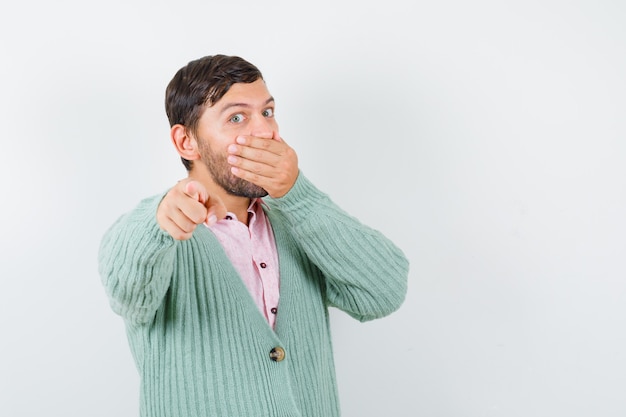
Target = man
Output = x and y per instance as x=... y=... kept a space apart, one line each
x=224 y=281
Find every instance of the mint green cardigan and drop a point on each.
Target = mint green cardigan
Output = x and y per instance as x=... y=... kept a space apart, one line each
x=201 y=345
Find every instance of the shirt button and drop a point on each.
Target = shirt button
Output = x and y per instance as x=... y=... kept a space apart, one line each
x=229 y=217
x=274 y=310
x=263 y=265
x=277 y=354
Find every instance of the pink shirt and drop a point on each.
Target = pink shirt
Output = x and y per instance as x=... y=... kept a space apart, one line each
x=252 y=251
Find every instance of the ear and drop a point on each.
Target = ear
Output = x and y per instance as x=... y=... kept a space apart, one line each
x=185 y=144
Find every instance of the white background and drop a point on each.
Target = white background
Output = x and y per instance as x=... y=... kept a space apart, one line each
x=486 y=138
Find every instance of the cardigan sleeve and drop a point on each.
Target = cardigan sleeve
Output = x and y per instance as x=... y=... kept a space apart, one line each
x=135 y=262
x=365 y=273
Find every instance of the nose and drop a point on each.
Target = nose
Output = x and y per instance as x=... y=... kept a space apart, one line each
x=263 y=127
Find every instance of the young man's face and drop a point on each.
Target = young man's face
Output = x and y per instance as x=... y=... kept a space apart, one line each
x=247 y=109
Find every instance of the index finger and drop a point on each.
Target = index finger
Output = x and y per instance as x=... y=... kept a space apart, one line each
x=273 y=144
x=196 y=191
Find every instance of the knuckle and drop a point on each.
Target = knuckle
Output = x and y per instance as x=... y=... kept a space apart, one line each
x=190 y=226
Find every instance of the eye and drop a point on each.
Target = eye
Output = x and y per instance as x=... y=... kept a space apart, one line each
x=237 y=118
x=268 y=113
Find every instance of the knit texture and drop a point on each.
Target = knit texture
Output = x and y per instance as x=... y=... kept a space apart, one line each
x=202 y=347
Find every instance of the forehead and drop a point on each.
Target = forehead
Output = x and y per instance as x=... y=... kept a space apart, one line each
x=246 y=94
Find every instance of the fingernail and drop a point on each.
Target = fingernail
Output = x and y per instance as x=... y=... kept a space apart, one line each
x=232 y=148
x=211 y=220
x=241 y=140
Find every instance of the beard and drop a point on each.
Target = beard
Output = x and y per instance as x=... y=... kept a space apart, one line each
x=219 y=169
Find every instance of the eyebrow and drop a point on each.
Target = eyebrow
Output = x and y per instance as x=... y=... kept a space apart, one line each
x=229 y=105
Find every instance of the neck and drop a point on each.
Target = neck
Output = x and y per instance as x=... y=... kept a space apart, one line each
x=234 y=204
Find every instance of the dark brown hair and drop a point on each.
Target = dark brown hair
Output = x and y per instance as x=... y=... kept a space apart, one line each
x=201 y=83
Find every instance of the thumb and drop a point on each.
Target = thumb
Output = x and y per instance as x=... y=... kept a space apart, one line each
x=216 y=210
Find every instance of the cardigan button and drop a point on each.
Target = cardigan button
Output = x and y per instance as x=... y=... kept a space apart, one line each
x=277 y=354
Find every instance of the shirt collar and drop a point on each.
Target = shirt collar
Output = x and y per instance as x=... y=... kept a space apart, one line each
x=255 y=204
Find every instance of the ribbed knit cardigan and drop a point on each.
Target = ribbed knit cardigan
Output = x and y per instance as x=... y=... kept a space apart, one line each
x=201 y=345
